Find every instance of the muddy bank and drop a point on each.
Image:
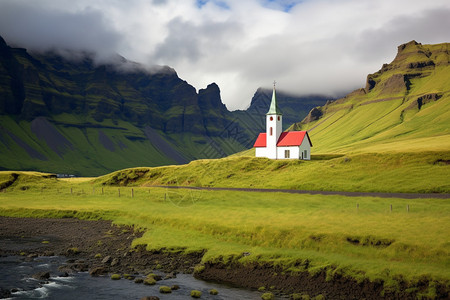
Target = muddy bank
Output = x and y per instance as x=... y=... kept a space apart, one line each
x=268 y=277
x=90 y=246
x=101 y=248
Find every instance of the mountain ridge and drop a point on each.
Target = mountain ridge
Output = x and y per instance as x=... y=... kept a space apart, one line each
x=82 y=117
x=406 y=100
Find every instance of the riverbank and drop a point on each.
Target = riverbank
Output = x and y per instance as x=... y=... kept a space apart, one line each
x=97 y=247
x=102 y=248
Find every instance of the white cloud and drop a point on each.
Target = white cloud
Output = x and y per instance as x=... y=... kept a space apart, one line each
x=311 y=46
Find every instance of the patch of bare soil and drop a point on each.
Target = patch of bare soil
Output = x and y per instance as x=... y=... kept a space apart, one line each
x=256 y=276
x=95 y=246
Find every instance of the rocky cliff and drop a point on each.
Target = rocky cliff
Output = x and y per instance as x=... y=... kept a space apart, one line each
x=73 y=115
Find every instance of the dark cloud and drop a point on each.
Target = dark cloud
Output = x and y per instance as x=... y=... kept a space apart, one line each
x=42 y=29
x=308 y=46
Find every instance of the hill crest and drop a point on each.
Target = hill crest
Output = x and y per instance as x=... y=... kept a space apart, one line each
x=406 y=102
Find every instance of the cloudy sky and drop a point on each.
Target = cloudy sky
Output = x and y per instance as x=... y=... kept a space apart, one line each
x=307 y=46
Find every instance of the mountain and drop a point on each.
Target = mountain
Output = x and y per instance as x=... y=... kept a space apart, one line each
x=293 y=107
x=405 y=106
x=76 y=116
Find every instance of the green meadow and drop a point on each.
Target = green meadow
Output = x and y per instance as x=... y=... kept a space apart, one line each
x=373 y=140
x=361 y=237
x=422 y=172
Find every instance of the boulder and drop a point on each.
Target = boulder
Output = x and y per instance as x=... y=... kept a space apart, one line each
x=97 y=271
x=139 y=280
x=106 y=259
x=170 y=275
x=196 y=294
x=4 y=293
x=114 y=262
x=41 y=275
x=165 y=289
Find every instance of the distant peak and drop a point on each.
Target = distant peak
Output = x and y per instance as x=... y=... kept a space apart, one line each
x=2 y=42
x=406 y=45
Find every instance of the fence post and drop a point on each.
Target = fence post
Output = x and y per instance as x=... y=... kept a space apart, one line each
x=391 y=207
x=71 y=191
x=357 y=207
x=132 y=193
x=119 y=192
x=407 y=208
x=102 y=191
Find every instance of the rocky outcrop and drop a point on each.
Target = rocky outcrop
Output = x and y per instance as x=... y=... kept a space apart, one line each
x=314 y=115
x=397 y=83
x=415 y=69
x=422 y=100
x=294 y=108
x=41 y=275
x=370 y=83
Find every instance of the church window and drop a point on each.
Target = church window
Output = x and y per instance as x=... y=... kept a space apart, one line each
x=271 y=118
x=306 y=154
x=271 y=130
x=287 y=154
x=278 y=118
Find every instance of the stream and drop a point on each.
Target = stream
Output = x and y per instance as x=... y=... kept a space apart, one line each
x=16 y=276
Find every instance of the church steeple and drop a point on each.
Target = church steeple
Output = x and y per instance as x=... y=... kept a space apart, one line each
x=274 y=125
x=273 y=109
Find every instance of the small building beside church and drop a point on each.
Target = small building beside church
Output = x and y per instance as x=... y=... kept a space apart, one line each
x=276 y=144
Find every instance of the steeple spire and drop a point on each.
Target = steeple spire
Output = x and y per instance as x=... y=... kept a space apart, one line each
x=273 y=109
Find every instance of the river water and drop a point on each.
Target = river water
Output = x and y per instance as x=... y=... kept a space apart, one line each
x=16 y=274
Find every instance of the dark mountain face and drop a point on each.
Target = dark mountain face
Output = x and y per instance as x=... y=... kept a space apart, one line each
x=293 y=107
x=76 y=110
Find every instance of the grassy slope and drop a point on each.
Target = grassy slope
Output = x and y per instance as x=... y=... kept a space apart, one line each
x=370 y=172
x=298 y=232
x=358 y=123
x=88 y=157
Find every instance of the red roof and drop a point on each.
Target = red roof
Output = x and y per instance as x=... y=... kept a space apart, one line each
x=260 y=141
x=290 y=138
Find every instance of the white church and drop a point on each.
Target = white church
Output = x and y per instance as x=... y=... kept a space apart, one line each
x=276 y=144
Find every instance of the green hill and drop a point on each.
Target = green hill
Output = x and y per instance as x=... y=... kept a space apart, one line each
x=391 y=136
x=404 y=107
x=75 y=116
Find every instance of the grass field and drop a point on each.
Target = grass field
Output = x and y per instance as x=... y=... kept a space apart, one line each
x=297 y=232
x=420 y=172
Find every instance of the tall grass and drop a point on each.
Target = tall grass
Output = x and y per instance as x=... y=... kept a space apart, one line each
x=370 y=241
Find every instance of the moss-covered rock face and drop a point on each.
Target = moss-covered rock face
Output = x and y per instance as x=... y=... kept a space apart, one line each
x=213 y=292
x=149 y=281
x=196 y=294
x=116 y=276
x=83 y=108
x=165 y=289
x=267 y=296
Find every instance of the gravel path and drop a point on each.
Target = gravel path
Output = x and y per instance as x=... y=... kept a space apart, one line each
x=347 y=194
